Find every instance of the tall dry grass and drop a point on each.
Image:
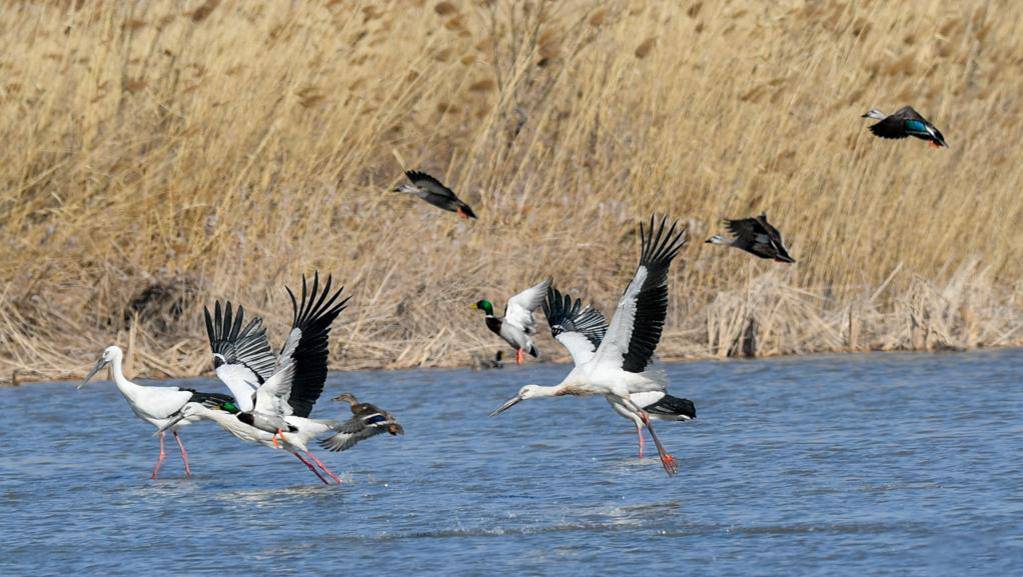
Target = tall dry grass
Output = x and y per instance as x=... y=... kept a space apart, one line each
x=158 y=157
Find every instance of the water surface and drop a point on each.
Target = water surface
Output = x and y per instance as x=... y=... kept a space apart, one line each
x=880 y=464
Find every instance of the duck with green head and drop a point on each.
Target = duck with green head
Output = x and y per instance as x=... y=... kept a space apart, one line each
x=517 y=325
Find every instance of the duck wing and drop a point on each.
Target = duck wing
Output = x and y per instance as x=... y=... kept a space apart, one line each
x=578 y=329
x=272 y=397
x=776 y=243
x=518 y=313
x=430 y=184
x=636 y=327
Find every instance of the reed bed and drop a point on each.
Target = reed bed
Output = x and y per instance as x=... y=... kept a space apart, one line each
x=159 y=155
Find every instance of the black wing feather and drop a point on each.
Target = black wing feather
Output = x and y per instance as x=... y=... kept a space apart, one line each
x=659 y=249
x=247 y=346
x=208 y=398
x=563 y=315
x=436 y=186
x=890 y=127
x=669 y=406
x=313 y=316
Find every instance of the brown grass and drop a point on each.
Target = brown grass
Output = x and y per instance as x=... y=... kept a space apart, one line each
x=158 y=156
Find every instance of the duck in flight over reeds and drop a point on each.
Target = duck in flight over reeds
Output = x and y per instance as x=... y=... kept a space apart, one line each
x=756 y=236
x=517 y=325
x=432 y=191
x=905 y=122
x=367 y=421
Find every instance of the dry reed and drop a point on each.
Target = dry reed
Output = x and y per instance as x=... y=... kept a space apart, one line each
x=158 y=158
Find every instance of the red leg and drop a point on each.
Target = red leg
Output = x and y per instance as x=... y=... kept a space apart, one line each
x=461 y=213
x=159 y=460
x=670 y=463
x=520 y=356
x=324 y=467
x=311 y=468
x=639 y=433
x=184 y=455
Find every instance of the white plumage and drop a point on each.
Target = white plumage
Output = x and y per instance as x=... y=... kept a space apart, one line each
x=581 y=330
x=622 y=364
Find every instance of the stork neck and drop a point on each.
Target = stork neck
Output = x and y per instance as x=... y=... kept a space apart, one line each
x=127 y=388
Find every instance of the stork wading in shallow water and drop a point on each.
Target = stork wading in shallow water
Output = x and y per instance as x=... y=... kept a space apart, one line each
x=756 y=236
x=274 y=395
x=581 y=329
x=621 y=365
x=158 y=406
x=517 y=326
x=367 y=421
x=432 y=191
x=905 y=122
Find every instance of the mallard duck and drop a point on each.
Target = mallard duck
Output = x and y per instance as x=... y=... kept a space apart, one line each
x=432 y=191
x=905 y=122
x=581 y=329
x=756 y=236
x=367 y=421
x=517 y=325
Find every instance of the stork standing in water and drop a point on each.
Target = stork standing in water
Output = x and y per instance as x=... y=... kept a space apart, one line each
x=158 y=406
x=581 y=329
x=275 y=395
x=621 y=365
x=517 y=326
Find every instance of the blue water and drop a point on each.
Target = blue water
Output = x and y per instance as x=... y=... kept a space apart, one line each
x=881 y=464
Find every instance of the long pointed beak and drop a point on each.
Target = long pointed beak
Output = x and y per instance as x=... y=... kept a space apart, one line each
x=99 y=366
x=176 y=420
x=507 y=405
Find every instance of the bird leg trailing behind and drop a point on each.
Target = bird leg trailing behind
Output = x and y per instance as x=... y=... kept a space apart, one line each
x=642 y=443
x=324 y=467
x=670 y=463
x=159 y=459
x=184 y=455
x=311 y=468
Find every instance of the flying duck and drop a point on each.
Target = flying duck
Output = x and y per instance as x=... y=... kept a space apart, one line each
x=756 y=236
x=905 y=122
x=517 y=325
x=581 y=329
x=432 y=191
x=367 y=421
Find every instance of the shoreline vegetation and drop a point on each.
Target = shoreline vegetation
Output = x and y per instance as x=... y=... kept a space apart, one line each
x=157 y=159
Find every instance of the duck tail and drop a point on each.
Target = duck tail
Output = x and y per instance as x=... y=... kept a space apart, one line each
x=532 y=351
x=464 y=210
